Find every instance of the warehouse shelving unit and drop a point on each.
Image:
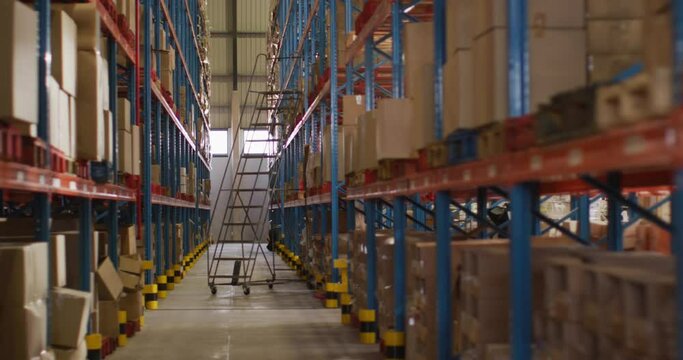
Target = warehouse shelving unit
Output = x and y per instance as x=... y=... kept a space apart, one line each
x=175 y=145
x=643 y=156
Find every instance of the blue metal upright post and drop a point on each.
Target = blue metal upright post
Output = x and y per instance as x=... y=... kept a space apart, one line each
x=113 y=216
x=518 y=59
x=146 y=139
x=583 y=217
x=614 y=221
x=443 y=275
x=677 y=243
x=520 y=268
x=370 y=244
x=334 y=130
x=400 y=263
x=85 y=237
x=482 y=208
x=42 y=201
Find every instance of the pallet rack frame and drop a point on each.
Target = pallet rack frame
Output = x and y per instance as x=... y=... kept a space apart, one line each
x=175 y=146
x=527 y=173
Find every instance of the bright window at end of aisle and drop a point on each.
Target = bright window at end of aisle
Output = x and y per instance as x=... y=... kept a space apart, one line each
x=254 y=141
x=219 y=142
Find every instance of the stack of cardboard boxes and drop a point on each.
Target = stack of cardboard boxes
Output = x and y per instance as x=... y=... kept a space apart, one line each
x=129 y=139
x=18 y=102
x=615 y=32
x=62 y=85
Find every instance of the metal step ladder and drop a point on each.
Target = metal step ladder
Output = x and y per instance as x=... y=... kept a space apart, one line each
x=245 y=220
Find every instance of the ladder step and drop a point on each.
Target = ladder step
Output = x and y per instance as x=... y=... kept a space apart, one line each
x=253 y=173
x=275 y=92
x=245 y=207
x=267 y=124
x=227 y=277
x=241 y=223
x=259 y=156
x=229 y=258
x=263 y=140
x=246 y=190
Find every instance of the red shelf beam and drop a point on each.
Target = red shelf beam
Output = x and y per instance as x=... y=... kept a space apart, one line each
x=643 y=152
x=169 y=201
x=111 y=26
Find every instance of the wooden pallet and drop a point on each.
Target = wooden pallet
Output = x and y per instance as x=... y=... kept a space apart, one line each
x=491 y=140
x=638 y=98
x=519 y=133
x=10 y=143
x=570 y=115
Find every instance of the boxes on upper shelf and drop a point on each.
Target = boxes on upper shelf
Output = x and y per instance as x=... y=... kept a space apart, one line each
x=89 y=107
x=419 y=79
x=63 y=38
x=395 y=129
x=87 y=19
x=18 y=89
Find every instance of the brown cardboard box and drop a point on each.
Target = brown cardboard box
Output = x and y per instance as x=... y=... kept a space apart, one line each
x=167 y=79
x=353 y=106
x=87 y=19
x=73 y=257
x=109 y=285
x=615 y=9
x=167 y=59
x=557 y=59
x=63 y=45
x=557 y=14
x=458 y=25
x=125 y=152
x=130 y=264
x=130 y=281
x=89 y=117
x=419 y=78
x=109 y=318
x=458 y=88
x=490 y=77
x=55 y=122
x=19 y=24
x=67 y=142
x=136 y=149
x=605 y=67
x=79 y=353
x=25 y=269
x=27 y=336
x=132 y=303
x=367 y=133
x=73 y=135
x=69 y=316
x=395 y=129
x=658 y=42
x=123 y=114
x=58 y=260
x=488 y=14
x=156 y=174
x=615 y=36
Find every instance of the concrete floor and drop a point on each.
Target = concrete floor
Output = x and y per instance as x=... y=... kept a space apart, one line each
x=284 y=323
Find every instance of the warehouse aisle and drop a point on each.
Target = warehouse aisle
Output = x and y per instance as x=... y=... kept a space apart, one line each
x=283 y=323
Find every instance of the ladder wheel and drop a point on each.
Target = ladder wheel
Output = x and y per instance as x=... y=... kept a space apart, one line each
x=213 y=290
x=247 y=291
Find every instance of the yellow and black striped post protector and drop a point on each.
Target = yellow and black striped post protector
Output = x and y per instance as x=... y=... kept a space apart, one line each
x=151 y=296
x=162 y=285
x=368 y=326
x=394 y=345
x=94 y=344
x=142 y=321
x=170 y=280
x=122 y=339
x=331 y=301
x=345 y=299
x=147 y=265
x=177 y=273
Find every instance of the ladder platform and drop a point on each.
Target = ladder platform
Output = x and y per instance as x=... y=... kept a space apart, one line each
x=228 y=277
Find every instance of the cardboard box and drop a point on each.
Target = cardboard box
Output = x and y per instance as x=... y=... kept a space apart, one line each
x=353 y=106
x=167 y=79
x=27 y=336
x=395 y=129
x=73 y=136
x=615 y=36
x=167 y=59
x=19 y=24
x=606 y=67
x=66 y=140
x=108 y=318
x=459 y=25
x=73 y=257
x=90 y=115
x=136 y=149
x=87 y=20
x=25 y=268
x=79 y=353
x=130 y=281
x=130 y=264
x=366 y=155
x=658 y=42
x=419 y=78
x=69 y=317
x=55 y=123
x=128 y=235
x=109 y=145
x=488 y=14
x=458 y=86
x=557 y=14
x=557 y=61
x=104 y=83
x=133 y=304
x=58 y=260
x=490 y=77
x=125 y=152
x=63 y=37
x=123 y=114
x=109 y=285
x=615 y=9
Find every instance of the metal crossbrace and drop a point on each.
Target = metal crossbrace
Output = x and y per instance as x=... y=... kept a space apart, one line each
x=238 y=203
x=616 y=195
x=391 y=206
x=479 y=218
x=637 y=217
x=569 y=215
